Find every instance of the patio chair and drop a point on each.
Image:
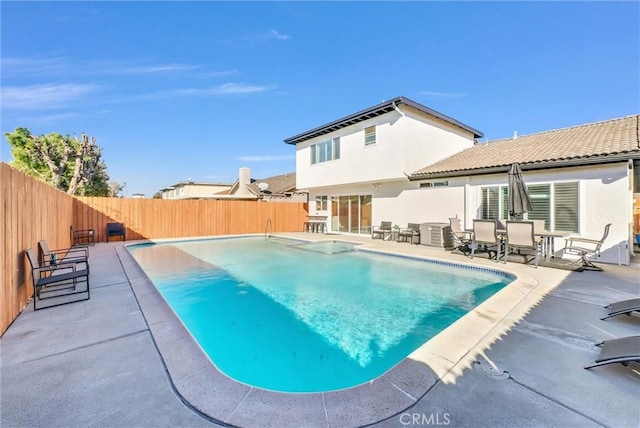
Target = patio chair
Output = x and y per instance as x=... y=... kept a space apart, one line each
x=82 y=237
x=56 y=281
x=462 y=239
x=411 y=234
x=116 y=229
x=62 y=255
x=621 y=350
x=521 y=237
x=623 y=307
x=584 y=248
x=381 y=231
x=485 y=234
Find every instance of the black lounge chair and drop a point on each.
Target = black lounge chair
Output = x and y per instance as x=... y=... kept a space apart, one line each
x=116 y=229
x=56 y=281
x=621 y=350
x=623 y=307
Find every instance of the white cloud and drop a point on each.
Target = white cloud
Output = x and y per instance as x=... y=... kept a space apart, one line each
x=32 y=66
x=268 y=36
x=274 y=34
x=160 y=68
x=209 y=74
x=61 y=66
x=265 y=158
x=45 y=96
x=47 y=119
x=443 y=94
x=225 y=89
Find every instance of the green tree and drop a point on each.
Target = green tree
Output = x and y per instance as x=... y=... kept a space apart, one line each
x=70 y=164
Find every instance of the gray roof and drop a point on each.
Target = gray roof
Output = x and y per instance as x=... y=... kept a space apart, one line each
x=375 y=111
x=593 y=143
x=278 y=184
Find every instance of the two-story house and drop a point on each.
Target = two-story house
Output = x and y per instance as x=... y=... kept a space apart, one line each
x=355 y=167
x=403 y=162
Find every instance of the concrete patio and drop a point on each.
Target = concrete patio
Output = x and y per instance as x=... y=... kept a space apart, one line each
x=116 y=361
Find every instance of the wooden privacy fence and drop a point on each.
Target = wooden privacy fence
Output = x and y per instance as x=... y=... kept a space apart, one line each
x=158 y=218
x=32 y=210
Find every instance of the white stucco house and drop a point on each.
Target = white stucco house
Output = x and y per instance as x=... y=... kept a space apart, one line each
x=403 y=162
x=355 y=168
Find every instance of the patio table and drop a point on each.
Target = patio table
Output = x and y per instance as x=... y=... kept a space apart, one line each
x=548 y=240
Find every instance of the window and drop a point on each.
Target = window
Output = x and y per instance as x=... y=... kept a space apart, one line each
x=321 y=203
x=565 y=206
x=325 y=151
x=369 y=135
x=557 y=204
x=435 y=184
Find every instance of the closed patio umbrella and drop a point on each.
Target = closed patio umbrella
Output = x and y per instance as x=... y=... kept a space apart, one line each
x=519 y=201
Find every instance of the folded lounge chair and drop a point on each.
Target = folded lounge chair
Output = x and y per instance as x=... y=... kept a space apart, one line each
x=623 y=307
x=621 y=350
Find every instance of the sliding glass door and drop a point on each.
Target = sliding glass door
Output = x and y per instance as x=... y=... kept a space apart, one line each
x=351 y=214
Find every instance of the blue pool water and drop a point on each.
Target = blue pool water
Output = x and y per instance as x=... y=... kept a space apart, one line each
x=307 y=317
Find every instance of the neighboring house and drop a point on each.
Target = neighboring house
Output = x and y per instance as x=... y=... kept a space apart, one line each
x=579 y=178
x=192 y=190
x=279 y=188
x=403 y=162
x=355 y=167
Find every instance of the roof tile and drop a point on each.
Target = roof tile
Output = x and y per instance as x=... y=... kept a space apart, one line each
x=606 y=138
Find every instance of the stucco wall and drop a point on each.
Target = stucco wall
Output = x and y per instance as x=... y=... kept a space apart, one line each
x=605 y=197
x=426 y=140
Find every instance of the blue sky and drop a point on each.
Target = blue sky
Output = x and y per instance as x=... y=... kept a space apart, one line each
x=178 y=90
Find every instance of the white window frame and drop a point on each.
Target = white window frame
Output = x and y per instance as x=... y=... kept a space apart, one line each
x=554 y=213
x=432 y=184
x=369 y=135
x=322 y=203
x=325 y=151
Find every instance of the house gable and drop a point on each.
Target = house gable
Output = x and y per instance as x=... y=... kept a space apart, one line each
x=381 y=144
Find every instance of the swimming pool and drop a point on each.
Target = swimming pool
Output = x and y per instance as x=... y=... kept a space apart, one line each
x=307 y=317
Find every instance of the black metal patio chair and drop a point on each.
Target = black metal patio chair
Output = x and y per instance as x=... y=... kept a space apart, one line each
x=82 y=236
x=57 y=281
x=116 y=229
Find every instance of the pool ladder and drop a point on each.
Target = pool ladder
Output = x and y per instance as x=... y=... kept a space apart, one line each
x=268 y=230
